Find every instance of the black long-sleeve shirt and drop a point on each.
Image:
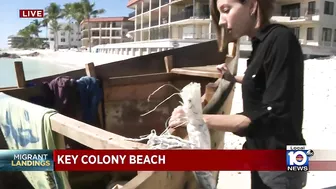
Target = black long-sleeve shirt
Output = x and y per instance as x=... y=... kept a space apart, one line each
x=272 y=90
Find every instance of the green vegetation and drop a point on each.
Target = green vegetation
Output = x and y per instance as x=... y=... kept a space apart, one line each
x=73 y=12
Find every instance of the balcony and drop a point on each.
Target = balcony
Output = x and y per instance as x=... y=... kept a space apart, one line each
x=309 y=15
x=146 y=7
x=189 y=14
x=159 y=33
x=164 y=2
x=155 y=23
x=155 y=4
x=145 y=25
x=132 y=14
x=198 y=36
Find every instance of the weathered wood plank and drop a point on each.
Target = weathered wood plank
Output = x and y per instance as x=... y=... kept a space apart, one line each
x=135 y=92
x=20 y=76
x=90 y=136
x=204 y=71
x=160 y=180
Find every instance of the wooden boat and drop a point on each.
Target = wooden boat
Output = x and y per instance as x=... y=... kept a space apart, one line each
x=126 y=86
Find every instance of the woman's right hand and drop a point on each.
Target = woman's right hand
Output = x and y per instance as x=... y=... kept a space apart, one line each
x=177 y=118
x=226 y=74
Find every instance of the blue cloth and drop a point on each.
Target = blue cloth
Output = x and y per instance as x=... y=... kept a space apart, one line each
x=90 y=96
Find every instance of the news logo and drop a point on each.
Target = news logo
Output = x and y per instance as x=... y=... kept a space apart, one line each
x=31 y=13
x=298 y=158
x=26 y=160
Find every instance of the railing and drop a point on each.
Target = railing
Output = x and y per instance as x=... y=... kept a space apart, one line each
x=187 y=14
x=155 y=23
x=163 y=2
x=145 y=25
x=159 y=33
x=155 y=4
x=297 y=14
x=129 y=27
x=198 y=36
x=146 y=8
x=164 y=20
x=132 y=14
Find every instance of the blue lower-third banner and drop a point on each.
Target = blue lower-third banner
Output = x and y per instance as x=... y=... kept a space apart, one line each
x=26 y=160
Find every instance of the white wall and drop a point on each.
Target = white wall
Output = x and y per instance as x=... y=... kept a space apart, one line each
x=327 y=21
x=74 y=36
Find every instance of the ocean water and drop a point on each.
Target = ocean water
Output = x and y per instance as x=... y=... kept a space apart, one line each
x=32 y=69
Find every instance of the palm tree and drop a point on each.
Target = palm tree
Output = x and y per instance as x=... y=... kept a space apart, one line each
x=54 y=12
x=77 y=14
x=69 y=29
x=90 y=12
x=55 y=27
x=35 y=26
x=26 y=34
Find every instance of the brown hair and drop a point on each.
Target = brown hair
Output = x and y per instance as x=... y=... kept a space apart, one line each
x=264 y=13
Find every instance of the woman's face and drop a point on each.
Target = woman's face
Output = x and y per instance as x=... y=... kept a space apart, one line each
x=235 y=17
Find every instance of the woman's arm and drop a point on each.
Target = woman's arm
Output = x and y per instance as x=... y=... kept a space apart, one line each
x=239 y=79
x=228 y=123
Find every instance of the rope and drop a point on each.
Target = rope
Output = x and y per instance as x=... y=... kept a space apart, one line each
x=198 y=132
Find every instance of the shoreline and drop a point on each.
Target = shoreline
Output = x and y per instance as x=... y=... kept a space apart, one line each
x=68 y=59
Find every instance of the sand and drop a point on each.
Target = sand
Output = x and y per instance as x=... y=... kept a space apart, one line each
x=319 y=128
x=68 y=58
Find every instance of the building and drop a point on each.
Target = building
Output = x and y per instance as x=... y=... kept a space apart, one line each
x=165 y=24
x=313 y=22
x=106 y=30
x=171 y=19
x=15 y=41
x=65 y=39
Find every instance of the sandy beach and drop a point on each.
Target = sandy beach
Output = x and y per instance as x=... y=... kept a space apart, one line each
x=319 y=109
x=69 y=58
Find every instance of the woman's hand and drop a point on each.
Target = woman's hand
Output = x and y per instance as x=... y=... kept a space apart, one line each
x=226 y=74
x=177 y=118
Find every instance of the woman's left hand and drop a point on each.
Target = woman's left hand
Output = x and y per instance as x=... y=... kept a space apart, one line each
x=177 y=118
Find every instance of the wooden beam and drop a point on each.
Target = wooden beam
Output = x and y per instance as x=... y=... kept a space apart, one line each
x=168 y=63
x=90 y=70
x=90 y=136
x=203 y=71
x=20 y=76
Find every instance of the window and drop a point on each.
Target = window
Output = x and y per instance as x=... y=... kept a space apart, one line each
x=328 y=7
x=311 y=7
x=310 y=33
x=335 y=35
x=62 y=39
x=296 y=31
x=72 y=39
x=326 y=34
x=51 y=39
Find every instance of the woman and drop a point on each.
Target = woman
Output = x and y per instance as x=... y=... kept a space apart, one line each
x=272 y=87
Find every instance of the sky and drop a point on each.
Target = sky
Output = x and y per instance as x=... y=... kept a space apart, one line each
x=11 y=23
